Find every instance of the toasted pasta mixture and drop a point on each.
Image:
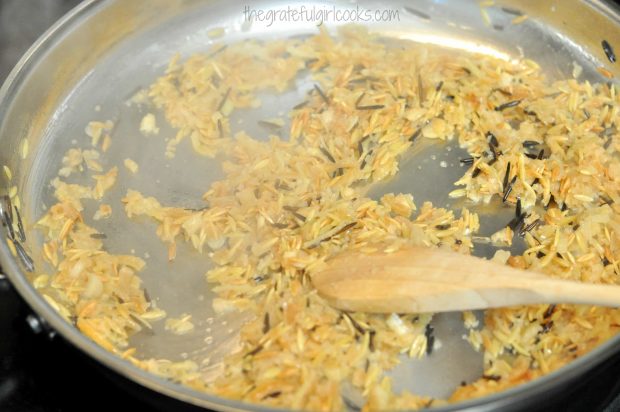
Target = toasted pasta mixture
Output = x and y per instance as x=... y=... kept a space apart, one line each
x=287 y=204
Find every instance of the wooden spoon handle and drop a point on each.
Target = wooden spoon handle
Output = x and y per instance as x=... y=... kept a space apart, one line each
x=431 y=280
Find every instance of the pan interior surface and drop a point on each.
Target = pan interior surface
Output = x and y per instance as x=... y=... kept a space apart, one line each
x=106 y=91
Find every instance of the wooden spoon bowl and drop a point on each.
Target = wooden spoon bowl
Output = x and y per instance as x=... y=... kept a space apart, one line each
x=419 y=279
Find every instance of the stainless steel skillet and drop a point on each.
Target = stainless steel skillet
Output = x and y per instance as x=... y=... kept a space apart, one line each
x=103 y=51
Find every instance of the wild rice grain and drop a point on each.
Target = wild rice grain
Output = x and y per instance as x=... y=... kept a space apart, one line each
x=507 y=105
x=609 y=51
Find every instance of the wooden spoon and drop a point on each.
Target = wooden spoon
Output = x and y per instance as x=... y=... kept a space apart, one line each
x=419 y=279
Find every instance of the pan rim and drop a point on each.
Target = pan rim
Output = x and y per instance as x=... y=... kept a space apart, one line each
x=500 y=400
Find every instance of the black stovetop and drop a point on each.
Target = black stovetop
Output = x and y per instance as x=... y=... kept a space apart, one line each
x=39 y=374
x=42 y=375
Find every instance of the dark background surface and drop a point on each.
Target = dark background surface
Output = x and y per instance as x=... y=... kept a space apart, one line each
x=22 y=22
x=38 y=374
